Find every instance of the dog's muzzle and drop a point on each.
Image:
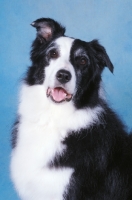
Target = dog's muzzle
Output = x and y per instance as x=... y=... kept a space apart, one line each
x=59 y=94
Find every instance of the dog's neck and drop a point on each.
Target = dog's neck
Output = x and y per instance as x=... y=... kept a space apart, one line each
x=35 y=107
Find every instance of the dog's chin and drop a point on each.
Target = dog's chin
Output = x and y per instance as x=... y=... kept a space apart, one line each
x=58 y=95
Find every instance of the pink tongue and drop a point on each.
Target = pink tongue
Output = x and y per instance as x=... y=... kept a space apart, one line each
x=58 y=94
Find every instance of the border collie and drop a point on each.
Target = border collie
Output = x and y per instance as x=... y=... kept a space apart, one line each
x=67 y=143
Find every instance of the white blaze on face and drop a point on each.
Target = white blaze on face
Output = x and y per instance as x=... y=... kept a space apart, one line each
x=63 y=46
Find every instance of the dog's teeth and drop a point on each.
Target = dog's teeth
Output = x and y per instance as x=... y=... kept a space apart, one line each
x=68 y=97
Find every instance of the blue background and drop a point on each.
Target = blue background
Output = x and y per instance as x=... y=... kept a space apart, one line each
x=108 y=21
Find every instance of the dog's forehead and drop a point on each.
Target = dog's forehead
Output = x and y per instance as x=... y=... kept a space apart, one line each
x=64 y=44
x=67 y=43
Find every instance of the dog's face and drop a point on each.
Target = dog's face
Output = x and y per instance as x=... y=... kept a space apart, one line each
x=69 y=69
x=60 y=78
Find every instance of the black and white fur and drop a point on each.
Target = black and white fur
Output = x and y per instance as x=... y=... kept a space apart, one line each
x=76 y=148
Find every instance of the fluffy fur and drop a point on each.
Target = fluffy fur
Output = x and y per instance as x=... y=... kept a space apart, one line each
x=67 y=144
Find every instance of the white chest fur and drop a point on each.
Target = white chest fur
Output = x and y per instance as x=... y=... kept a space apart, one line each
x=42 y=127
x=32 y=177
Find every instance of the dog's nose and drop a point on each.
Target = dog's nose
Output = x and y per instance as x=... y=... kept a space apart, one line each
x=63 y=76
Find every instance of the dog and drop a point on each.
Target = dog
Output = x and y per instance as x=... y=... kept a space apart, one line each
x=67 y=143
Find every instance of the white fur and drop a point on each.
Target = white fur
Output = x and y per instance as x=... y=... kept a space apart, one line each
x=63 y=46
x=43 y=126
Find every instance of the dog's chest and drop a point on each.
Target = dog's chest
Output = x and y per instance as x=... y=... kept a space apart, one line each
x=41 y=141
x=37 y=146
x=42 y=128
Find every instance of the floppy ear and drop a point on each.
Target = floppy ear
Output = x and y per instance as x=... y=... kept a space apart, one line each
x=47 y=29
x=101 y=55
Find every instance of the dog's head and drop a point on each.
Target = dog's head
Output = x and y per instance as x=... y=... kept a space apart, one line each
x=70 y=69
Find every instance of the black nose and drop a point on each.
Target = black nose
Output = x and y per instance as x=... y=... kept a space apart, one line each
x=63 y=76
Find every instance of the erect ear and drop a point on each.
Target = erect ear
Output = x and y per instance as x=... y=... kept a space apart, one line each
x=101 y=55
x=47 y=29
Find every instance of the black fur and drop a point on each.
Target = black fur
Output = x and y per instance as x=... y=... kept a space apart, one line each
x=15 y=133
x=89 y=76
x=101 y=157
x=35 y=74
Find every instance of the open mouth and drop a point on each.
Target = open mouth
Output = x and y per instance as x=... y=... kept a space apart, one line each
x=58 y=94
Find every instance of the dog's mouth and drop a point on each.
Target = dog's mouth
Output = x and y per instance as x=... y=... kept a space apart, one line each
x=58 y=94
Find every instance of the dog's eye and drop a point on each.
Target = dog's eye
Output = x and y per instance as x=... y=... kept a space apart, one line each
x=53 y=54
x=83 y=61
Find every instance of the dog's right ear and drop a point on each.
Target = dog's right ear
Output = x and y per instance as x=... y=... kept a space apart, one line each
x=47 y=29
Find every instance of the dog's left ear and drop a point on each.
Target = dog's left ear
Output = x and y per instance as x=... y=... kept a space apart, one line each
x=47 y=29
x=101 y=55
